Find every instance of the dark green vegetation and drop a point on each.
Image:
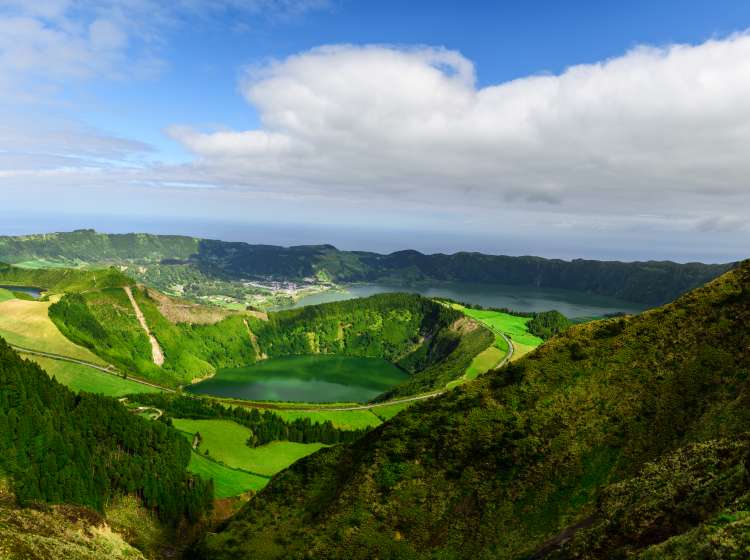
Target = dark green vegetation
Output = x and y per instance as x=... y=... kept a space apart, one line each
x=431 y=342
x=318 y=378
x=629 y=435
x=63 y=279
x=199 y=261
x=266 y=426
x=86 y=449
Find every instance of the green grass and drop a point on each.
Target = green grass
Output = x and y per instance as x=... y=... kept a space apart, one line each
x=227 y=482
x=81 y=378
x=6 y=295
x=514 y=327
x=343 y=419
x=36 y=264
x=27 y=323
x=390 y=410
x=225 y=442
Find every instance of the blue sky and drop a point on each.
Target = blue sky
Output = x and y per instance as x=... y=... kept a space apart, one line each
x=604 y=129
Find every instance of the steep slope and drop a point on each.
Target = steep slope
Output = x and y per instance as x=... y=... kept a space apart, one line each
x=627 y=436
x=85 y=449
x=649 y=283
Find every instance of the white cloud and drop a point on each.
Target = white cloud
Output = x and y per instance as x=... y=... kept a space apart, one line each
x=657 y=127
x=51 y=41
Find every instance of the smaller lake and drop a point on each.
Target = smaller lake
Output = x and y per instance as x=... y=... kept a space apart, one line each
x=518 y=298
x=305 y=379
x=33 y=292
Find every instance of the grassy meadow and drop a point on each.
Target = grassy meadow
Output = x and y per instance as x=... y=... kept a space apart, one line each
x=342 y=419
x=228 y=482
x=27 y=323
x=514 y=327
x=390 y=410
x=225 y=442
x=81 y=378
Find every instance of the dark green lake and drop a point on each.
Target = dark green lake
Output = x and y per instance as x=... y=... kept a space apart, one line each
x=305 y=379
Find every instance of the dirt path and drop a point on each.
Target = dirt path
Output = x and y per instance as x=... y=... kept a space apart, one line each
x=156 y=354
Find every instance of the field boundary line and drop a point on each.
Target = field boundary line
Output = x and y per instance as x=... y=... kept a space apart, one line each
x=108 y=370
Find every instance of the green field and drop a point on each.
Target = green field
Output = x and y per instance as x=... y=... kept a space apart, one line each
x=390 y=410
x=513 y=326
x=225 y=442
x=227 y=482
x=27 y=323
x=6 y=295
x=342 y=419
x=81 y=378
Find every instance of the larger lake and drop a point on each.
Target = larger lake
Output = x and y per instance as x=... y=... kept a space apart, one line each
x=305 y=379
x=569 y=303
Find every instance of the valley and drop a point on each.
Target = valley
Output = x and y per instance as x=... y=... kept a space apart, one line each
x=253 y=393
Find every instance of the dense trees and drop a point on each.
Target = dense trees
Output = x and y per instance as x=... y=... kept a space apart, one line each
x=85 y=449
x=266 y=426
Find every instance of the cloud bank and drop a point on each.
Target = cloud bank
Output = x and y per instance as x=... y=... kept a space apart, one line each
x=652 y=127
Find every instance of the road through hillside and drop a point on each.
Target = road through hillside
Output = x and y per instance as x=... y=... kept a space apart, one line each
x=156 y=353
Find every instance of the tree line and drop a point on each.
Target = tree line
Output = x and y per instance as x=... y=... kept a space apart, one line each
x=266 y=426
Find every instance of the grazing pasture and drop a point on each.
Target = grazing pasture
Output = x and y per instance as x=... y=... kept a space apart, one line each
x=513 y=326
x=342 y=419
x=390 y=410
x=27 y=324
x=225 y=442
x=82 y=378
x=228 y=482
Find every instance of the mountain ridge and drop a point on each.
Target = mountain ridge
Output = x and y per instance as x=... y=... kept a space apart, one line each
x=647 y=282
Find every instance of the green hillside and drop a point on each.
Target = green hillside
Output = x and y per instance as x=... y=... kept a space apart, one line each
x=628 y=435
x=86 y=449
x=431 y=342
x=63 y=279
x=205 y=261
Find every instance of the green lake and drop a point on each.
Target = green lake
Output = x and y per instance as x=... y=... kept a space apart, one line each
x=305 y=379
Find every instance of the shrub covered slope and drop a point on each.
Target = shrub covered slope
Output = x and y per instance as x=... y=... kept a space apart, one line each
x=620 y=438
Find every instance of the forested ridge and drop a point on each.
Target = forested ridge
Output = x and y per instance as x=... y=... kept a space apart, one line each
x=59 y=447
x=650 y=282
x=619 y=438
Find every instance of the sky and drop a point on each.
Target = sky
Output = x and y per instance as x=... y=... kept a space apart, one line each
x=609 y=130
